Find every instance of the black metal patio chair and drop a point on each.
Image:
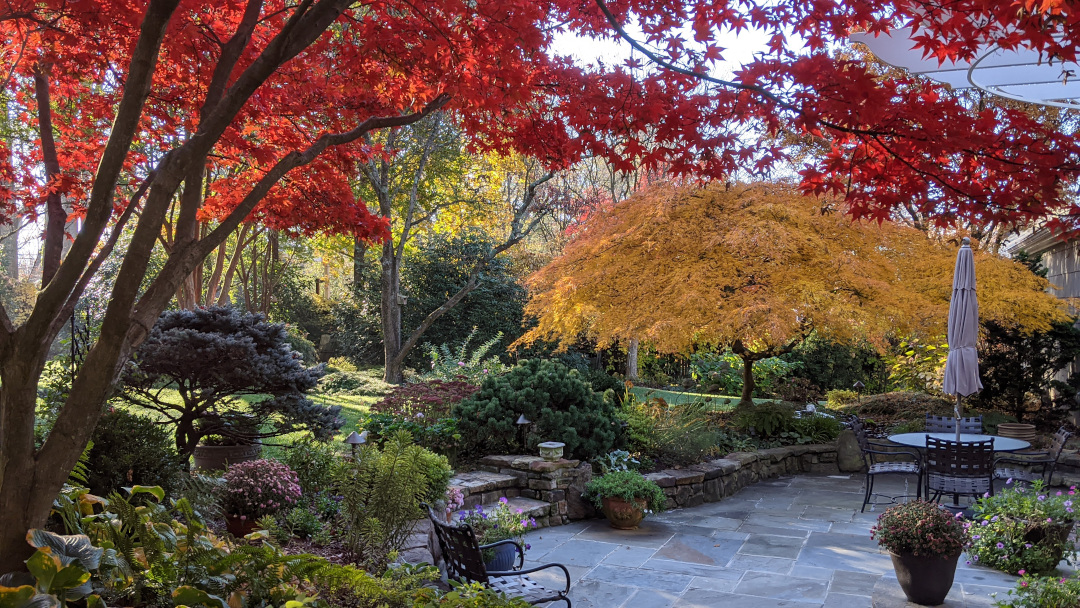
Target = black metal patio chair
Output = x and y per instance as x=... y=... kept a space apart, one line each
x=465 y=561
x=959 y=468
x=1030 y=466
x=944 y=424
x=876 y=465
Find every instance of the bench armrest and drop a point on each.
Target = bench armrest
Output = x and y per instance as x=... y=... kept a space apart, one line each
x=566 y=573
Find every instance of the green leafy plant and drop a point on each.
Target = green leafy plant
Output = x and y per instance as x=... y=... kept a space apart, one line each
x=1024 y=528
x=918 y=366
x=382 y=490
x=921 y=528
x=471 y=595
x=457 y=363
x=838 y=398
x=818 y=428
x=728 y=441
x=630 y=486
x=559 y=404
x=1042 y=592
x=441 y=435
x=767 y=419
x=313 y=461
x=616 y=460
x=132 y=450
x=352 y=382
x=302 y=522
x=675 y=435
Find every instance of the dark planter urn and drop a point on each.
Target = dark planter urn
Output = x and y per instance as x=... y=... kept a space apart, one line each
x=1053 y=536
x=503 y=558
x=622 y=514
x=239 y=526
x=925 y=580
x=218 y=457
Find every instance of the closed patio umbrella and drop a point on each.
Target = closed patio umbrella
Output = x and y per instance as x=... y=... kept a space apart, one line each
x=962 y=366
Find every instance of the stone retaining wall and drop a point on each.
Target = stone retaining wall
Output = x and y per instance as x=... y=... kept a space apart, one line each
x=561 y=483
x=717 y=479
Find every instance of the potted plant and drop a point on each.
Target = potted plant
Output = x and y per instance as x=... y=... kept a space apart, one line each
x=625 y=497
x=501 y=523
x=925 y=542
x=254 y=489
x=1024 y=529
x=226 y=443
x=1042 y=592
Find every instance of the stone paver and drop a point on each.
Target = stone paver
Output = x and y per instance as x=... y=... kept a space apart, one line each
x=795 y=542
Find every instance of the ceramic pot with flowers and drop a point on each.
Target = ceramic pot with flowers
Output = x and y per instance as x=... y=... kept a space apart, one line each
x=1024 y=528
x=255 y=489
x=925 y=542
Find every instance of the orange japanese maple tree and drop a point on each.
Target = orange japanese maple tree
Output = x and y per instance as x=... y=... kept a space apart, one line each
x=239 y=110
x=756 y=269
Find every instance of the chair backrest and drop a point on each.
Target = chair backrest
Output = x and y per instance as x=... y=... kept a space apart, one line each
x=860 y=434
x=460 y=550
x=940 y=424
x=1058 y=444
x=945 y=424
x=971 y=426
x=960 y=458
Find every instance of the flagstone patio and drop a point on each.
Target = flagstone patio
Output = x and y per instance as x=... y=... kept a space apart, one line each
x=798 y=542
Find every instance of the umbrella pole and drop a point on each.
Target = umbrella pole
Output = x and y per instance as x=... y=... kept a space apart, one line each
x=958 y=410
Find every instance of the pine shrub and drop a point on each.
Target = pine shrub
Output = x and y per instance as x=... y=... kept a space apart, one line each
x=559 y=403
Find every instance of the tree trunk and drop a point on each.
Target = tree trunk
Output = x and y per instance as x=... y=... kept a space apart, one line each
x=390 y=281
x=748 y=381
x=52 y=250
x=631 y=359
x=358 y=265
x=21 y=503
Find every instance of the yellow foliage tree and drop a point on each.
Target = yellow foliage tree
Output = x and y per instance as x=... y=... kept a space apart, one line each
x=757 y=268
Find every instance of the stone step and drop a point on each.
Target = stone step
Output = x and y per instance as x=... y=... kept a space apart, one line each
x=530 y=507
x=479 y=482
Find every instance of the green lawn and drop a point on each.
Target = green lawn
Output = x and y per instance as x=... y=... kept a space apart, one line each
x=352 y=408
x=721 y=402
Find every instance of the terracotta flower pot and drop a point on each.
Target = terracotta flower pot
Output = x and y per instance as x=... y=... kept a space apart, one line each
x=622 y=514
x=239 y=526
x=925 y=580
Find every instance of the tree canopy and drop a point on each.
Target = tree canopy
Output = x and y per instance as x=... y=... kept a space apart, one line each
x=756 y=268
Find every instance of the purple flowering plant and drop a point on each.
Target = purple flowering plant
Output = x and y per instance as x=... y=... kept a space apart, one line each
x=1042 y=592
x=502 y=522
x=1024 y=529
x=260 y=487
x=921 y=528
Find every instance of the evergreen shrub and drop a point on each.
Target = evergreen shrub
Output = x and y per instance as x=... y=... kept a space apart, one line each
x=559 y=403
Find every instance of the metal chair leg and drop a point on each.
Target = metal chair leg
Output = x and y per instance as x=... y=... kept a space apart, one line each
x=869 y=491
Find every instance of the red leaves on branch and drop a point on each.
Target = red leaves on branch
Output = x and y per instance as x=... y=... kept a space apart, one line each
x=884 y=141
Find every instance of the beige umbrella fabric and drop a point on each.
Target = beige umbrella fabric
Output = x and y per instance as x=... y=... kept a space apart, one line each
x=962 y=366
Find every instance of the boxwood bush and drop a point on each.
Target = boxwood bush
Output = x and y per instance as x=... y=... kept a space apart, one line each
x=561 y=405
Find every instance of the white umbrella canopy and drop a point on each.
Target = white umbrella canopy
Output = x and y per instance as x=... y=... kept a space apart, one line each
x=962 y=366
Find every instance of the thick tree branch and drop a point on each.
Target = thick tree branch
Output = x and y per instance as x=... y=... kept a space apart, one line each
x=56 y=217
x=99 y=206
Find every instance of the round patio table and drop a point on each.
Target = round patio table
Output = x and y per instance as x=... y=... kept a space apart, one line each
x=1001 y=444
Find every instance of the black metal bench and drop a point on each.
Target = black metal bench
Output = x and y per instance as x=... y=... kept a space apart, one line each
x=464 y=561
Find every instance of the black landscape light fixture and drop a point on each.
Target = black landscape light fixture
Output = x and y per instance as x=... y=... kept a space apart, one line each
x=523 y=424
x=355 y=440
x=859 y=386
